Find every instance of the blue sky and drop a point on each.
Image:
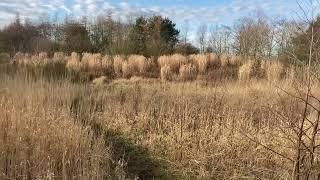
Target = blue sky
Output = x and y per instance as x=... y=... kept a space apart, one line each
x=212 y=12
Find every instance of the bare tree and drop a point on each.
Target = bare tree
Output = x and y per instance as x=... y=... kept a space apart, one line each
x=253 y=35
x=220 y=40
x=202 y=37
x=185 y=31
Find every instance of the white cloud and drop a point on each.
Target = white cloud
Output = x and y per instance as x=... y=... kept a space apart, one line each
x=123 y=9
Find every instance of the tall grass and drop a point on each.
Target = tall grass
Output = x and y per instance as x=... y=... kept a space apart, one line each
x=40 y=139
x=143 y=128
x=170 y=67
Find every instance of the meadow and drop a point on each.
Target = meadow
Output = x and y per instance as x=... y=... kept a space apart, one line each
x=89 y=116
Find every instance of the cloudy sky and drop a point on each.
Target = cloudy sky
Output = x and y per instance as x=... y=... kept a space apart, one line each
x=195 y=11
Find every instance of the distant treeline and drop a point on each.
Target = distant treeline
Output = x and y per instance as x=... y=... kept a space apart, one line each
x=152 y=36
x=255 y=36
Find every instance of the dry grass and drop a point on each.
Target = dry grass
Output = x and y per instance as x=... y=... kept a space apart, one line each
x=117 y=65
x=274 y=70
x=224 y=59
x=235 y=60
x=4 y=58
x=135 y=66
x=107 y=63
x=173 y=61
x=73 y=62
x=188 y=72
x=208 y=66
x=59 y=57
x=166 y=73
x=202 y=62
x=39 y=138
x=246 y=71
x=150 y=130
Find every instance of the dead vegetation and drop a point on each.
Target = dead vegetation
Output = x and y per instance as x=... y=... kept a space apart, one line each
x=169 y=67
x=138 y=127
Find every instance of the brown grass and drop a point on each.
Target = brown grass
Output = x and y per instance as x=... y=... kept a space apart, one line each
x=107 y=63
x=246 y=71
x=188 y=72
x=202 y=62
x=117 y=65
x=39 y=138
x=73 y=62
x=166 y=73
x=274 y=70
x=225 y=60
x=59 y=57
x=142 y=128
x=173 y=61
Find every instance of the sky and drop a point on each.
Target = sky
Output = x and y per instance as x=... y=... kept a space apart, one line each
x=195 y=12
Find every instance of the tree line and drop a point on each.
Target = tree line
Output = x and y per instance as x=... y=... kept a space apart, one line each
x=256 y=36
x=148 y=36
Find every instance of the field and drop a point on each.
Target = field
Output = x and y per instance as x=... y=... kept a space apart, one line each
x=175 y=117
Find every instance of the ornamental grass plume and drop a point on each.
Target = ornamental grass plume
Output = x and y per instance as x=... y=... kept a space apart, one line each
x=201 y=61
x=59 y=57
x=246 y=71
x=117 y=65
x=166 y=73
x=73 y=62
x=138 y=65
x=107 y=64
x=187 y=72
x=173 y=61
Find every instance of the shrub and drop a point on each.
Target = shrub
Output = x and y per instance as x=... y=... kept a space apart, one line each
x=187 y=72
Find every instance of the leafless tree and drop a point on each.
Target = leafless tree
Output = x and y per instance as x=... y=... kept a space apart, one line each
x=202 y=37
